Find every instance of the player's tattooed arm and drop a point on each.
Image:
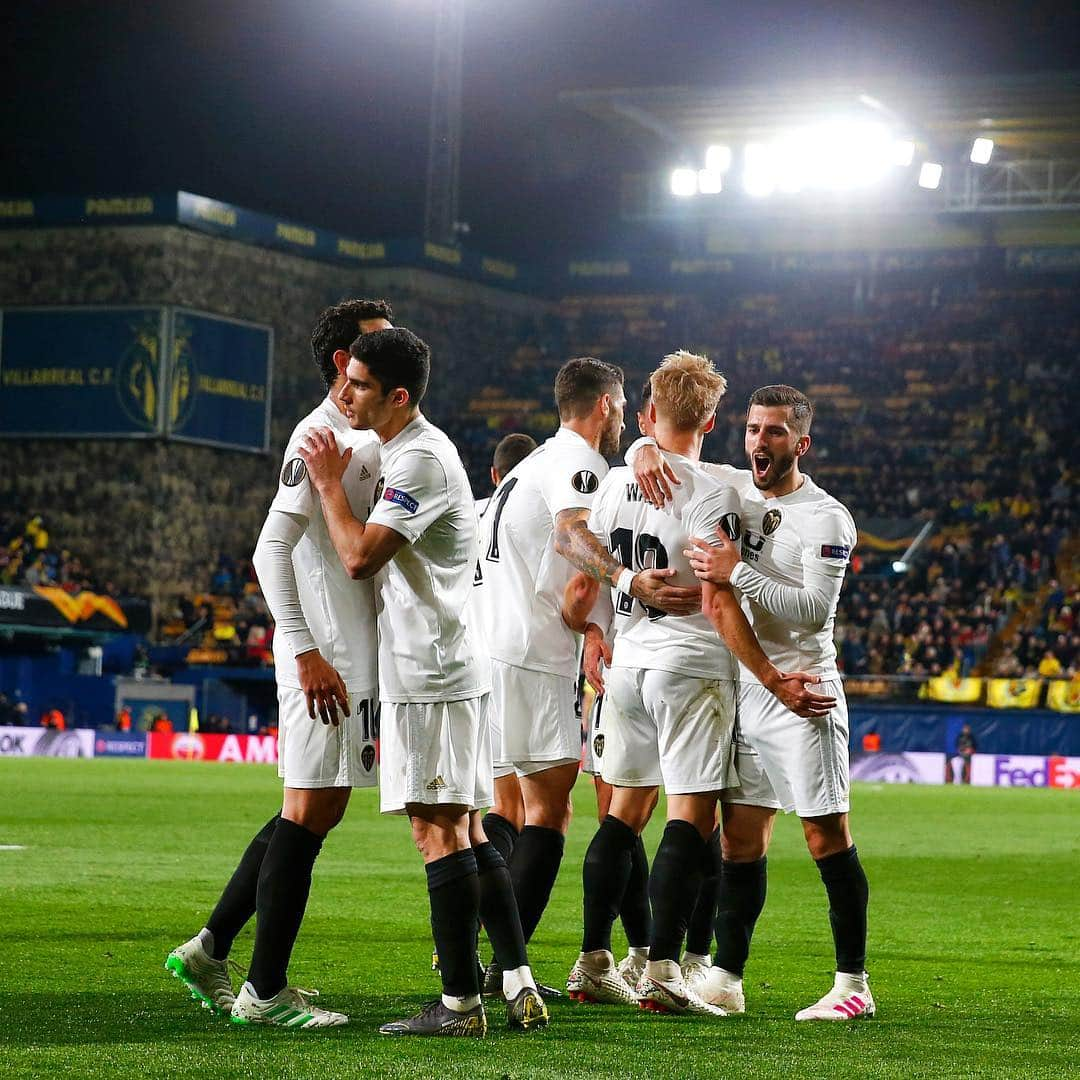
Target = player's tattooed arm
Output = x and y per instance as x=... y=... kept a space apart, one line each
x=363 y=549
x=577 y=543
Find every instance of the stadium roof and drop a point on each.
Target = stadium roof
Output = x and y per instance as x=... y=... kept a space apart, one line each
x=1032 y=116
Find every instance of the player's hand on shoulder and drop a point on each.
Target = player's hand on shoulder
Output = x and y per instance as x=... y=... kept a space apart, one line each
x=711 y=562
x=597 y=656
x=793 y=690
x=323 y=687
x=325 y=463
x=652 y=589
x=654 y=476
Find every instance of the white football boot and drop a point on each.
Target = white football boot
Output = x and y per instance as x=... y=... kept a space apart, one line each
x=694 y=969
x=662 y=990
x=720 y=987
x=595 y=978
x=632 y=966
x=207 y=979
x=849 y=999
x=289 y=1008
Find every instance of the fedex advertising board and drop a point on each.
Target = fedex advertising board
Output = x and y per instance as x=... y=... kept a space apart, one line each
x=1022 y=770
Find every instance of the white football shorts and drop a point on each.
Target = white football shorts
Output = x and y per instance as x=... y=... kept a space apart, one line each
x=436 y=753
x=787 y=763
x=312 y=754
x=536 y=713
x=658 y=727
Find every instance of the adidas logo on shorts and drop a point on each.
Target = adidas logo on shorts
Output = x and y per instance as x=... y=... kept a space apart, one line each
x=435 y=785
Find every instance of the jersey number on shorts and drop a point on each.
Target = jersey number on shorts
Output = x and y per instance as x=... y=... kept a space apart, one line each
x=368 y=712
x=646 y=553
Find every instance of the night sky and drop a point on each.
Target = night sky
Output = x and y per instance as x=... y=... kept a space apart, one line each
x=318 y=109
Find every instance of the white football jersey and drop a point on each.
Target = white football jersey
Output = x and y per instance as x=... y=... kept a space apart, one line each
x=339 y=612
x=427 y=649
x=523 y=576
x=802 y=541
x=644 y=538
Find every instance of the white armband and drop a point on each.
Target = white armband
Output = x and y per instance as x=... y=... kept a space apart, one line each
x=625 y=582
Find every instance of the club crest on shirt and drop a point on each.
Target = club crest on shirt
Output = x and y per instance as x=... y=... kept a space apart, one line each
x=294 y=472
x=585 y=481
x=731 y=525
x=367 y=757
x=770 y=522
x=598 y=746
x=402 y=498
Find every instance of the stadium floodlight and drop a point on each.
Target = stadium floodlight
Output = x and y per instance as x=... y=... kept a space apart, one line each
x=717 y=159
x=684 y=183
x=903 y=152
x=930 y=175
x=899 y=567
x=759 y=170
x=710 y=182
x=981 y=151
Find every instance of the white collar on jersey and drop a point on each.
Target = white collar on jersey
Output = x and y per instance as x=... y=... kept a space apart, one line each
x=407 y=433
x=804 y=489
x=565 y=434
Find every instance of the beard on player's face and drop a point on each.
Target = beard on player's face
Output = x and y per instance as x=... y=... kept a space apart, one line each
x=611 y=435
x=769 y=467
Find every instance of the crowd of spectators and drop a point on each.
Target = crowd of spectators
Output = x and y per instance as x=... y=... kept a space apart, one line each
x=940 y=398
x=30 y=556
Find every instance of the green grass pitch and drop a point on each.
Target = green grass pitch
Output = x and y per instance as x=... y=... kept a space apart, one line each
x=974 y=941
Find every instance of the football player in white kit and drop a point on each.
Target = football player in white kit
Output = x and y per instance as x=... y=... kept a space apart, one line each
x=434 y=675
x=325 y=653
x=670 y=699
x=527 y=534
x=796 y=544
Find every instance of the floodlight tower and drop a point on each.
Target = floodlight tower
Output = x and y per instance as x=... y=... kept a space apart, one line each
x=444 y=133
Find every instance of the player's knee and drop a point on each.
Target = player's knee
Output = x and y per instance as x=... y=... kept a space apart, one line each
x=318 y=810
x=746 y=844
x=826 y=835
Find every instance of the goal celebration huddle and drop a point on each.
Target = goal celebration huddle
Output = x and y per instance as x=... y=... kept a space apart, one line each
x=696 y=599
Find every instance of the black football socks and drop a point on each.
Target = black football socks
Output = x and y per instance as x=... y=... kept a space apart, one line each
x=534 y=868
x=604 y=875
x=237 y=903
x=284 y=884
x=498 y=908
x=636 y=912
x=673 y=887
x=849 y=895
x=699 y=931
x=454 y=894
x=740 y=900
x=501 y=833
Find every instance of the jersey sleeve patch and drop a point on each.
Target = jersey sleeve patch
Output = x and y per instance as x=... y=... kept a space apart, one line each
x=585 y=481
x=402 y=498
x=294 y=472
x=835 y=551
x=732 y=526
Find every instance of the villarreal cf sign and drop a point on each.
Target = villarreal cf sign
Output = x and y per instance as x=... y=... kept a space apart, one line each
x=131 y=372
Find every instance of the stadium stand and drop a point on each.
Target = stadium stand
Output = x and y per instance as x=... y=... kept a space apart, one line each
x=938 y=400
